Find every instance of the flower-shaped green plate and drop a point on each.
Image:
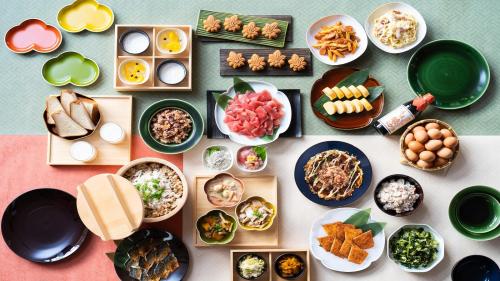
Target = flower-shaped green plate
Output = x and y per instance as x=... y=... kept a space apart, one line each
x=226 y=239
x=193 y=138
x=453 y=209
x=456 y=73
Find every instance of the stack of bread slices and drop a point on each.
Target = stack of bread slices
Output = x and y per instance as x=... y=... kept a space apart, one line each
x=70 y=115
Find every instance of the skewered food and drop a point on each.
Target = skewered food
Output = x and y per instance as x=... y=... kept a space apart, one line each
x=333 y=174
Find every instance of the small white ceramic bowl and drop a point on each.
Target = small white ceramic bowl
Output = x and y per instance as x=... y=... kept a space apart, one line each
x=405 y=8
x=222 y=147
x=331 y=20
x=242 y=168
x=125 y=81
x=436 y=236
x=182 y=39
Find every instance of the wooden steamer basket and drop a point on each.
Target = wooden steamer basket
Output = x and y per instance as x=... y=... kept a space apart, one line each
x=402 y=145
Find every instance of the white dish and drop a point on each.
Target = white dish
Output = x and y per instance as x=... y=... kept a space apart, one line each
x=222 y=148
x=258 y=86
x=171 y=72
x=242 y=168
x=182 y=39
x=333 y=262
x=437 y=237
x=331 y=20
x=147 y=71
x=405 y=8
x=112 y=133
x=83 y=151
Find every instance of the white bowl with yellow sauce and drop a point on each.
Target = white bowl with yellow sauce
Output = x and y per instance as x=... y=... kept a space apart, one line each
x=171 y=41
x=134 y=71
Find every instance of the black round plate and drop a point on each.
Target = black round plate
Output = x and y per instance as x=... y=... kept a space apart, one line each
x=475 y=268
x=176 y=245
x=42 y=225
x=328 y=145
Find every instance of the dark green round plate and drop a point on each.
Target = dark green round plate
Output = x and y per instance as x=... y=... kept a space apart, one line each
x=453 y=209
x=190 y=142
x=454 y=72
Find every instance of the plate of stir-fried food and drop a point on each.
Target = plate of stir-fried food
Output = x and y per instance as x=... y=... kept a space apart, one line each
x=336 y=39
x=333 y=173
x=151 y=255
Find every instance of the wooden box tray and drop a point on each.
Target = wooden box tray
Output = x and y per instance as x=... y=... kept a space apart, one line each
x=264 y=186
x=270 y=256
x=154 y=57
x=287 y=18
x=226 y=70
x=116 y=109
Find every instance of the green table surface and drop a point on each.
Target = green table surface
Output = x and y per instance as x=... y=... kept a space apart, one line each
x=23 y=90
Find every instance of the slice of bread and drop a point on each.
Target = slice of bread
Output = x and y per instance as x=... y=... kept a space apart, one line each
x=65 y=126
x=67 y=97
x=92 y=108
x=53 y=105
x=79 y=114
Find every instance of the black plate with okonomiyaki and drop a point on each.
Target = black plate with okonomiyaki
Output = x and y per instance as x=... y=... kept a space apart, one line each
x=333 y=173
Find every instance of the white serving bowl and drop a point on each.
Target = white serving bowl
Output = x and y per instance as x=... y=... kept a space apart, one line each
x=222 y=147
x=331 y=20
x=242 y=168
x=436 y=236
x=405 y=8
x=182 y=38
x=125 y=81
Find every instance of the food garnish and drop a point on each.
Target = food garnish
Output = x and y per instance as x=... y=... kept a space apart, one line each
x=396 y=29
x=235 y=60
x=159 y=186
x=333 y=174
x=254 y=213
x=211 y=24
x=216 y=227
x=398 y=195
x=414 y=247
x=336 y=41
x=171 y=125
x=297 y=63
x=251 y=266
x=252 y=158
x=271 y=30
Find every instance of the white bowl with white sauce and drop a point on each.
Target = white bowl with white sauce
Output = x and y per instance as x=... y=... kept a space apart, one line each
x=217 y=158
x=171 y=72
x=134 y=42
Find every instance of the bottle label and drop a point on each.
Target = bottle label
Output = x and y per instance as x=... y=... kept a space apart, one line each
x=396 y=119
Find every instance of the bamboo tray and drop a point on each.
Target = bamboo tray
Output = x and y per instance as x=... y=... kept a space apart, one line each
x=226 y=70
x=264 y=186
x=117 y=109
x=270 y=255
x=154 y=58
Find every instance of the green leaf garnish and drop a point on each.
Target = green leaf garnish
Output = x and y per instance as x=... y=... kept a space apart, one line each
x=270 y=137
x=355 y=78
x=257 y=214
x=360 y=218
x=260 y=151
x=241 y=86
x=375 y=227
x=213 y=149
x=222 y=99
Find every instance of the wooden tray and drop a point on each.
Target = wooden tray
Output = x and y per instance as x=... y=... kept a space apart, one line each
x=226 y=70
x=117 y=109
x=279 y=42
x=287 y=18
x=270 y=255
x=154 y=58
x=264 y=186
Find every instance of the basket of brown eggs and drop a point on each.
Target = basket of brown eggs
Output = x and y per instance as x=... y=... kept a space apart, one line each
x=429 y=145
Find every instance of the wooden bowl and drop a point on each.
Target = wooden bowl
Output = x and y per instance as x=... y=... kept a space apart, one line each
x=180 y=202
x=402 y=144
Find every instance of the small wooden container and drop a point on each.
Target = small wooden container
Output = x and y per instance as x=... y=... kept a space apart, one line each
x=154 y=57
x=403 y=147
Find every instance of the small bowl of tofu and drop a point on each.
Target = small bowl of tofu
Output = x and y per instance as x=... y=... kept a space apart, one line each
x=71 y=115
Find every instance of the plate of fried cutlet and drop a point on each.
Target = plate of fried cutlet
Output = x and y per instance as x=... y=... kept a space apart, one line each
x=343 y=244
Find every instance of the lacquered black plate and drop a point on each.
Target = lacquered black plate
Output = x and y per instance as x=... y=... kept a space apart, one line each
x=42 y=225
x=475 y=268
x=328 y=145
x=178 y=248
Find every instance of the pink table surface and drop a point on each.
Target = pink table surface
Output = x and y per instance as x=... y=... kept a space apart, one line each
x=23 y=167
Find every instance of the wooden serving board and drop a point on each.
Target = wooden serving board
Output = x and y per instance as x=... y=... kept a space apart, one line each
x=116 y=109
x=226 y=70
x=287 y=18
x=270 y=256
x=263 y=186
x=278 y=42
x=153 y=57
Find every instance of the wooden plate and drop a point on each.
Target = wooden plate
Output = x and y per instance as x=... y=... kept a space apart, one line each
x=264 y=186
x=109 y=206
x=346 y=121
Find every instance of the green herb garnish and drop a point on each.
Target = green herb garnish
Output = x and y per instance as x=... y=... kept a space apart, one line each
x=260 y=151
x=257 y=214
x=213 y=149
x=150 y=190
x=414 y=247
x=218 y=228
x=360 y=220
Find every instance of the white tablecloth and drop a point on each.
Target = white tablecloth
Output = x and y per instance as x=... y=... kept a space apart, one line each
x=476 y=164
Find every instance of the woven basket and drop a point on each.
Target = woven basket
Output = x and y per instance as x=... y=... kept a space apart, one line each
x=402 y=145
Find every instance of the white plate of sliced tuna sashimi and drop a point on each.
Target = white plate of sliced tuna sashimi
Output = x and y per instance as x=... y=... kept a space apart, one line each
x=254 y=118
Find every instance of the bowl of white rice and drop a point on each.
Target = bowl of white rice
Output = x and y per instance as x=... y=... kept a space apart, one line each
x=162 y=186
x=398 y=195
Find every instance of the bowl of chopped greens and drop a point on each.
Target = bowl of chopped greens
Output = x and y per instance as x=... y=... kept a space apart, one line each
x=415 y=247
